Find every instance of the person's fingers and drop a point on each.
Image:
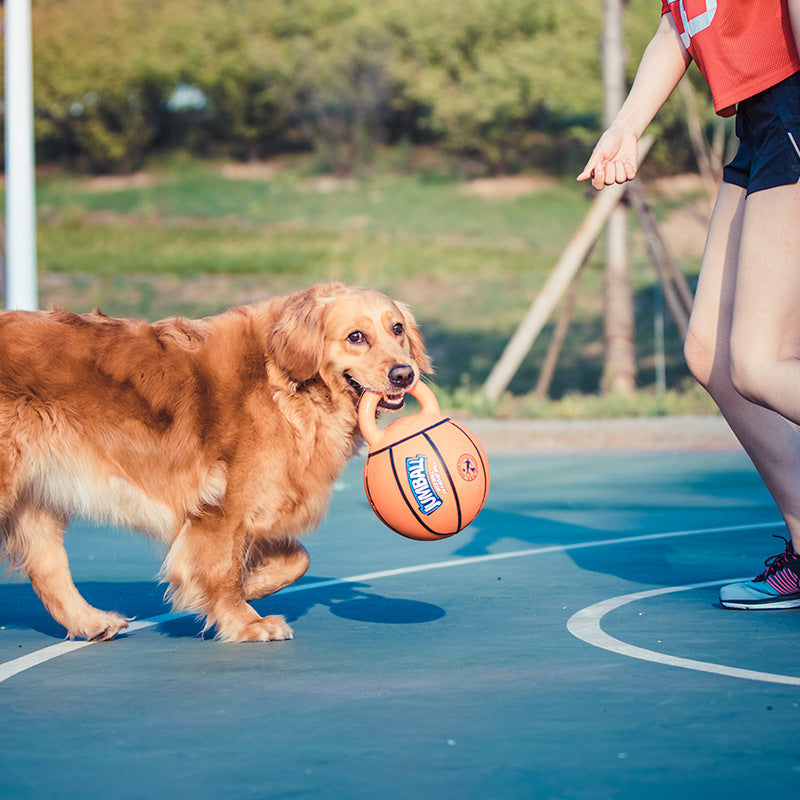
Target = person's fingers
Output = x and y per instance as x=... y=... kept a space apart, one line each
x=620 y=172
x=599 y=176
x=591 y=165
x=605 y=172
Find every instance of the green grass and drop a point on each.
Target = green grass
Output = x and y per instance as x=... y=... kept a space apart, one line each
x=190 y=241
x=383 y=205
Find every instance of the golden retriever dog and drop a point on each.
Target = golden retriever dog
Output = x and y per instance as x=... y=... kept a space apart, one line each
x=220 y=437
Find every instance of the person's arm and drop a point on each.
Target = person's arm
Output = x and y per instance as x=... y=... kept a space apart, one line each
x=614 y=159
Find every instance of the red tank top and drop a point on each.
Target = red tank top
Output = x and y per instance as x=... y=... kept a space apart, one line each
x=740 y=46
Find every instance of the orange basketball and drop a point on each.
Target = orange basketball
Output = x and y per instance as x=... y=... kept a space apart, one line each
x=426 y=475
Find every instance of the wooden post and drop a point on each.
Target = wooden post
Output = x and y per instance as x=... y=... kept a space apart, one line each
x=550 y=362
x=557 y=283
x=676 y=289
x=619 y=365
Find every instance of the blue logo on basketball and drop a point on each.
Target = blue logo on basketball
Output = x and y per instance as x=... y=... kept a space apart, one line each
x=427 y=499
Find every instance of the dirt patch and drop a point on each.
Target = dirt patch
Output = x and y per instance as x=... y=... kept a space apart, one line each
x=672 y=186
x=686 y=225
x=685 y=230
x=116 y=183
x=252 y=170
x=327 y=184
x=509 y=187
x=657 y=434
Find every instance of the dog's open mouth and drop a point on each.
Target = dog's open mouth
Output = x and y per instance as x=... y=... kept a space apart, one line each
x=391 y=401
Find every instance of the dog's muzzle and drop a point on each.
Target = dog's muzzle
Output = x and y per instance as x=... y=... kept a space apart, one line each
x=401 y=377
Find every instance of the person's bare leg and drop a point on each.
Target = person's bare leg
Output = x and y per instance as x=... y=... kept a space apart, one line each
x=734 y=284
x=765 y=338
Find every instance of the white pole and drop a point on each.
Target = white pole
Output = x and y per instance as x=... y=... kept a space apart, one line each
x=20 y=265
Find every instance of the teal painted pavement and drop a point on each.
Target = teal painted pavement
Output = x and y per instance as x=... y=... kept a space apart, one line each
x=444 y=669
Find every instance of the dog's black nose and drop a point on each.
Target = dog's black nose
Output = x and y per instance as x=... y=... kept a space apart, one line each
x=401 y=375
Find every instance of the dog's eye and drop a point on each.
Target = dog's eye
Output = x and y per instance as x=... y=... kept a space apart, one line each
x=397 y=329
x=356 y=337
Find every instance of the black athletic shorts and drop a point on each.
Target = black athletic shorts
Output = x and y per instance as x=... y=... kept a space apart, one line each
x=768 y=127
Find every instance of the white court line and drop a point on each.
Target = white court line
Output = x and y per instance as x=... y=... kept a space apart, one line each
x=585 y=625
x=10 y=668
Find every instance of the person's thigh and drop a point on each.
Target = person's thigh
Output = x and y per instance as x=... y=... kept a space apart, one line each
x=765 y=332
x=767 y=294
x=710 y=324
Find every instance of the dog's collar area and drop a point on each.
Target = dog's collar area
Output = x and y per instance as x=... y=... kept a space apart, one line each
x=391 y=402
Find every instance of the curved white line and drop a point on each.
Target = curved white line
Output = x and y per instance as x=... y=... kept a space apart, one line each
x=585 y=625
x=17 y=665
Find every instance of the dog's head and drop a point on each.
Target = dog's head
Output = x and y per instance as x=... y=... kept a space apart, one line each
x=353 y=339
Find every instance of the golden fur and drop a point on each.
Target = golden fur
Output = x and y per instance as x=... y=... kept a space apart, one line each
x=221 y=437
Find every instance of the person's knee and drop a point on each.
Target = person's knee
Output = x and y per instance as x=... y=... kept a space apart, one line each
x=699 y=353
x=748 y=375
x=709 y=362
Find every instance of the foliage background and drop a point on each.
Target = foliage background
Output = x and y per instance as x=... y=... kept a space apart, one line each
x=499 y=84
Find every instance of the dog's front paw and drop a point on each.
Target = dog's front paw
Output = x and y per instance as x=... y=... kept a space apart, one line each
x=267 y=629
x=258 y=629
x=100 y=627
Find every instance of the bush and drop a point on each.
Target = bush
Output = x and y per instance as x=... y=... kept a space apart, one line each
x=506 y=82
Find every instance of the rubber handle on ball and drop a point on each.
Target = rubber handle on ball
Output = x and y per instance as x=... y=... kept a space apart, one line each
x=427 y=399
x=368 y=407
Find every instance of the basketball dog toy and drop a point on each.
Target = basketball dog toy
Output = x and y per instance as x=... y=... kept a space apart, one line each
x=426 y=476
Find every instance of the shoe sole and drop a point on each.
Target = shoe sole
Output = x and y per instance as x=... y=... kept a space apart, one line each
x=761 y=605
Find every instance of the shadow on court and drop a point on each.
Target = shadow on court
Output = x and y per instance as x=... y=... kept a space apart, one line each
x=347 y=601
x=656 y=562
x=613 y=496
x=22 y=609
x=351 y=601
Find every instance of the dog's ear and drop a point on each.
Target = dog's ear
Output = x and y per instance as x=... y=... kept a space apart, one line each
x=415 y=341
x=298 y=335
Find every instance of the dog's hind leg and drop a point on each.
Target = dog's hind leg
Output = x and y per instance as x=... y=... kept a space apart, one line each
x=204 y=568
x=38 y=538
x=272 y=566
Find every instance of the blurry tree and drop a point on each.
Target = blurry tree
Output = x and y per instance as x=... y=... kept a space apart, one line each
x=339 y=83
x=99 y=79
x=105 y=70
x=497 y=76
x=508 y=83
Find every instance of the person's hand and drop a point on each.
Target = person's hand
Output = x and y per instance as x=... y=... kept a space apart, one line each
x=613 y=160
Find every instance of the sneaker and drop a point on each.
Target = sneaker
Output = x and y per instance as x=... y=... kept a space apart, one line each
x=777 y=587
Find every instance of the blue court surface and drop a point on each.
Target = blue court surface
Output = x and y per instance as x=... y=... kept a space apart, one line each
x=568 y=644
